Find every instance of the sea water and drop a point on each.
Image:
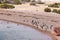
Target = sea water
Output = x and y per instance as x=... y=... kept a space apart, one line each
x=14 y=31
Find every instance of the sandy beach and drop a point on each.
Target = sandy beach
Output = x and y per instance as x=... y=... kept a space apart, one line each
x=24 y=14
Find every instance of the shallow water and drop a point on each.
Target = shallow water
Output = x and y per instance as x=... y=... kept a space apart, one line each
x=13 y=31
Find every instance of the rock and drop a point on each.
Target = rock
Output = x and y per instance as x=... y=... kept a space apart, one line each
x=57 y=30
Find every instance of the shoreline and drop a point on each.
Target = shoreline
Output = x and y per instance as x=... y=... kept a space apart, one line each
x=15 y=20
x=31 y=26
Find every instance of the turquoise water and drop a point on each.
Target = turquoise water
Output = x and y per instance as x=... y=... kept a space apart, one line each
x=13 y=31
